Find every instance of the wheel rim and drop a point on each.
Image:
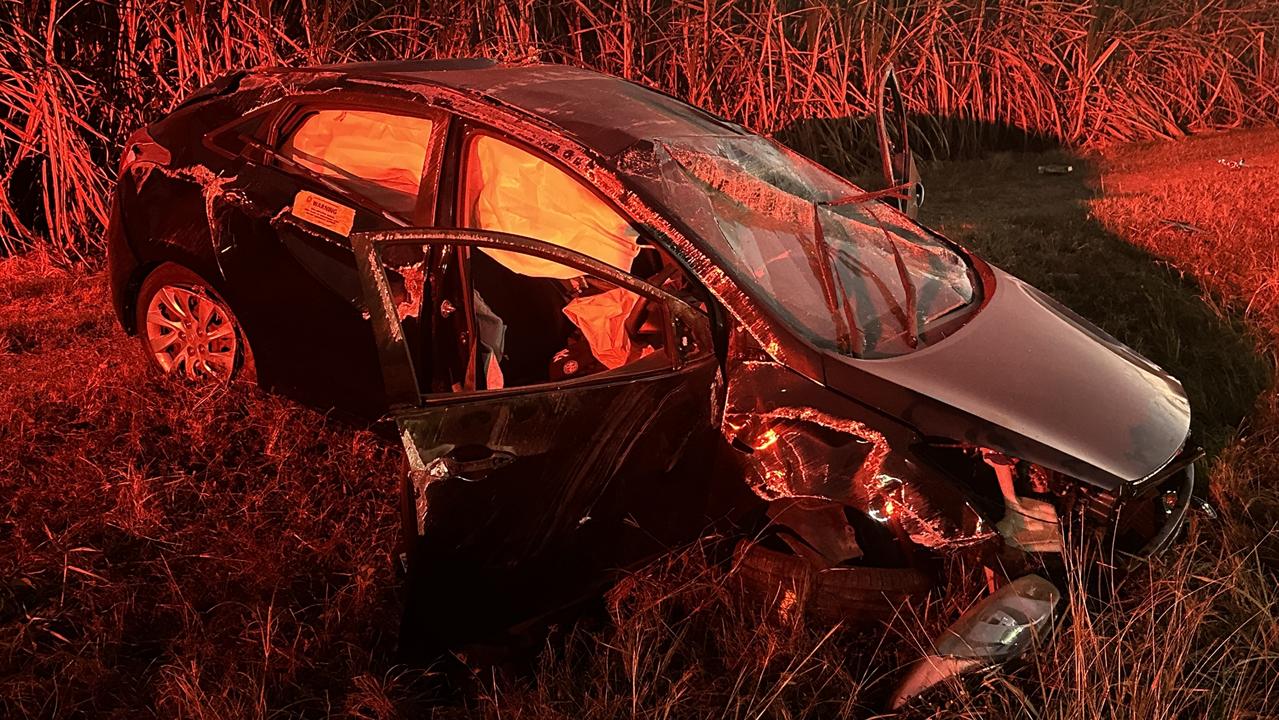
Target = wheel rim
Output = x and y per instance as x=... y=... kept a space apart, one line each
x=192 y=334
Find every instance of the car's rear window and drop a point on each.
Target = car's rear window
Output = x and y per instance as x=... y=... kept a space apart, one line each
x=378 y=155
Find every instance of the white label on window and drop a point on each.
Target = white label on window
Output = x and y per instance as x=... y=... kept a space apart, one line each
x=323 y=212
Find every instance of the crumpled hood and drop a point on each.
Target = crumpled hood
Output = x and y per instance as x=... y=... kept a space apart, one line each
x=1028 y=377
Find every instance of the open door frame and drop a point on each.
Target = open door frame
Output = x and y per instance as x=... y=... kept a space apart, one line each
x=688 y=337
x=519 y=500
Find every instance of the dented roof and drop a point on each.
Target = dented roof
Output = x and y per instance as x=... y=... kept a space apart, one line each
x=554 y=93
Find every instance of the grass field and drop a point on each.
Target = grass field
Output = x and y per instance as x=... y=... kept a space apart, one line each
x=76 y=78
x=227 y=556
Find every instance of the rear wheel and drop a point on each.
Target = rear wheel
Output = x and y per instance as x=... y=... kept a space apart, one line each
x=188 y=331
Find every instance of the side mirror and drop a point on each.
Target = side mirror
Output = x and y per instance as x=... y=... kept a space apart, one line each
x=896 y=158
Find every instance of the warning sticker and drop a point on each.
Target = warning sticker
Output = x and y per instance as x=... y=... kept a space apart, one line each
x=323 y=212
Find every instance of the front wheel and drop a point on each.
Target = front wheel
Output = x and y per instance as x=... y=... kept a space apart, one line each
x=849 y=593
x=188 y=331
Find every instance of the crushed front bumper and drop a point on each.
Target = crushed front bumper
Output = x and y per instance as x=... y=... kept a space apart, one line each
x=1174 y=497
x=1145 y=518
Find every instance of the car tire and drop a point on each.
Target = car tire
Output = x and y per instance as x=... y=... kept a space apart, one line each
x=848 y=594
x=187 y=330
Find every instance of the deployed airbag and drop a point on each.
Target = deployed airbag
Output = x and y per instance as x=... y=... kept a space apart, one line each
x=511 y=190
x=375 y=154
x=602 y=320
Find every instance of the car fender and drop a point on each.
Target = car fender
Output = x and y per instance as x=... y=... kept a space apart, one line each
x=798 y=439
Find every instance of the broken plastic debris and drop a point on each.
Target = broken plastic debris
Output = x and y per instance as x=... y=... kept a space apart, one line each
x=827 y=538
x=1028 y=524
x=1004 y=625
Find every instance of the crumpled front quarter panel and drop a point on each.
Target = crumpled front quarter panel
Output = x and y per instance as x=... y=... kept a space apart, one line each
x=799 y=439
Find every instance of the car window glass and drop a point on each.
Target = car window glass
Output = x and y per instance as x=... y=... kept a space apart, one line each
x=550 y=323
x=231 y=138
x=378 y=155
x=508 y=189
x=853 y=276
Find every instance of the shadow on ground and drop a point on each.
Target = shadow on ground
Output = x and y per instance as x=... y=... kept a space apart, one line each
x=1040 y=228
x=849 y=146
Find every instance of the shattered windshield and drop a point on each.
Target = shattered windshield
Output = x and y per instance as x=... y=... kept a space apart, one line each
x=852 y=274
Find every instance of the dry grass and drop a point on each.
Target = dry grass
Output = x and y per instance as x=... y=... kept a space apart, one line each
x=78 y=76
x=216 y=557
x=204 y=557
x=226 y=557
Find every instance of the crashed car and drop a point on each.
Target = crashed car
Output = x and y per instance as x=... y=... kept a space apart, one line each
x=604 y=321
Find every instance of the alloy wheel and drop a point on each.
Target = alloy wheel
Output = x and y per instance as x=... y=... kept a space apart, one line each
x=191 y=333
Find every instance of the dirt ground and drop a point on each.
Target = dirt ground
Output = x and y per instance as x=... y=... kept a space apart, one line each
x=166 y=553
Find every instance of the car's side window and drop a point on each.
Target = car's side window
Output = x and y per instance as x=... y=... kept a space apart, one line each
x=548 y=322
x=509 y=189
x=231 y=139
x=378 y=155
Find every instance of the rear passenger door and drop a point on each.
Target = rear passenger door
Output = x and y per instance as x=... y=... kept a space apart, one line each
x=529 y=484
x=322 y=170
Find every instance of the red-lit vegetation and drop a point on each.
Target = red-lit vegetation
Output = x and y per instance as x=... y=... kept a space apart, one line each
x=77 y=77
x=227 y=556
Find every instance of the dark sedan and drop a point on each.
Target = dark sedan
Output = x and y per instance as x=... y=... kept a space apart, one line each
x=605 y=321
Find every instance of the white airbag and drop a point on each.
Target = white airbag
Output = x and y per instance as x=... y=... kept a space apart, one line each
x=510 y=190
x=385 y=153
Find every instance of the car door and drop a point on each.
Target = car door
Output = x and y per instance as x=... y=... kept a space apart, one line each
x=325 y=169
x=526 y=492
x=896 y=158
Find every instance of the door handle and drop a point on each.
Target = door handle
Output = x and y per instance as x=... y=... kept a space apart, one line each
x=473 y=462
